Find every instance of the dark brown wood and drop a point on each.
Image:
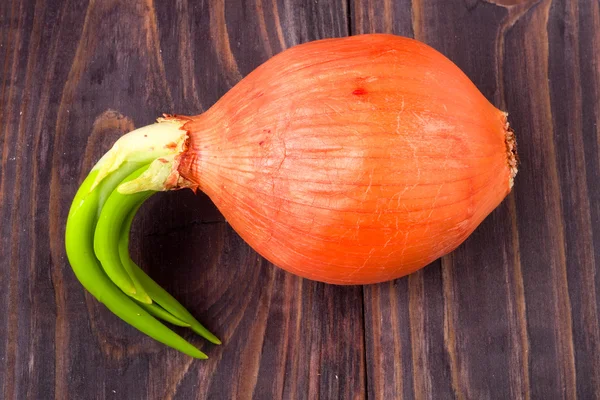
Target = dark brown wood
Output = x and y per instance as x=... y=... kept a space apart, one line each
x=512 y=314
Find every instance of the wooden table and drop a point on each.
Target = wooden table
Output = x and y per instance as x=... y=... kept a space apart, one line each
x=513 y=313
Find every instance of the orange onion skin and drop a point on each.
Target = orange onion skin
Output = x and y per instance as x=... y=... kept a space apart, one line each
x=354 y=160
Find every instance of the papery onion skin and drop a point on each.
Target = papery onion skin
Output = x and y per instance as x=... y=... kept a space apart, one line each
x=353 y=161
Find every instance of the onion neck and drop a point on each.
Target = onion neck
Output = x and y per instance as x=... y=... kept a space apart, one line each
x=160 y=145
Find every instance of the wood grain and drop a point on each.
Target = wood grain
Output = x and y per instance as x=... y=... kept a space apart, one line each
x=512 y=314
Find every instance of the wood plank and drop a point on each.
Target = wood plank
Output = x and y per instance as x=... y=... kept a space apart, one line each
x=574 y=162
x=549 y=308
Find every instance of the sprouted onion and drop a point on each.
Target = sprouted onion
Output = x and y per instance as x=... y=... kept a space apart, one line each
x=347 y=161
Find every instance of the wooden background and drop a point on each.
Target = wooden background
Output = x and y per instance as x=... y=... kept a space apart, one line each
x=512 y=314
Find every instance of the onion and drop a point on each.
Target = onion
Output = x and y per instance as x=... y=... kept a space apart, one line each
x=347 y=161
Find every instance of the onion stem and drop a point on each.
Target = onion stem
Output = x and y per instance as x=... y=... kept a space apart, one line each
x=106 y=238
x=97 y=237
x=163 y=314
